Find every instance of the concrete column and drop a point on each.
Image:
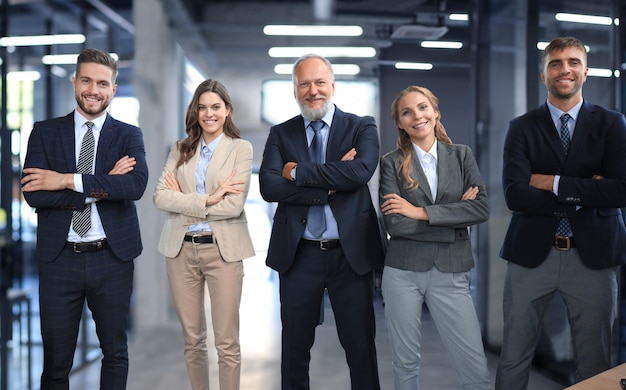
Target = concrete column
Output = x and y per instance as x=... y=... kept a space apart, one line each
x=158 y=66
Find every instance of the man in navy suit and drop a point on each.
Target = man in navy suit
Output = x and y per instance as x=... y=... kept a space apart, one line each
x=88 y=258
x=564 y=179
x=325 y=233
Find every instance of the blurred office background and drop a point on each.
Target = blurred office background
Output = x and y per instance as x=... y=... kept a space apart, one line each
x=480 y=57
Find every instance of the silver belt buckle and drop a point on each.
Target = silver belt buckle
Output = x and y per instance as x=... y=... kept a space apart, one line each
x=193 y=239
x=75 y=247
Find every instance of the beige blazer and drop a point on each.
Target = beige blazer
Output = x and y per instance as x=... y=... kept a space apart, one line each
x=227 y=218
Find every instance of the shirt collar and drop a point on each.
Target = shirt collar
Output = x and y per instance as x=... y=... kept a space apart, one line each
x=432 y=151
x=80 y=120
x=213 y=144
x=556 y=113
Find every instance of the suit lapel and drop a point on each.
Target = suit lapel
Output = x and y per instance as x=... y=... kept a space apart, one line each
x=585 y=124
x=544 y=123
x=66 y=130
x=107 y=134
x=188 y=180
x=443 y=167
x=419 y=175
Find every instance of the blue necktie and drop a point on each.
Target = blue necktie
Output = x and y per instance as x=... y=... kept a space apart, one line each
x=316 y=221
x=81 y=220
x=564 y=229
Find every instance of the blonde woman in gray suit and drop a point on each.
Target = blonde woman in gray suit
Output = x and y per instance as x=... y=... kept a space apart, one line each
x=430 y=192
x=203 y=189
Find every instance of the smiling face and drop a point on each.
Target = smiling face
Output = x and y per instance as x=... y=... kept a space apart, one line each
x=212 y=114
x=93 y=89
x=417 y=117
x=314 y=86
x=564 y=73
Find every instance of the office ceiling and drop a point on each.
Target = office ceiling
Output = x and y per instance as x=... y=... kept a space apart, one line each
x=230 y=31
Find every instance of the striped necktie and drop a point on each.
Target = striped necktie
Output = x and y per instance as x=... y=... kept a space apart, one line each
x=81 y=220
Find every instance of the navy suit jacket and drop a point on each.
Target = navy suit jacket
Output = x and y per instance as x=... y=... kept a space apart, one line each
x=351 y=204
x=52 y=146
x=598 y=147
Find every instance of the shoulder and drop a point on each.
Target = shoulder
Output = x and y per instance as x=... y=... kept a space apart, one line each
x=112 y=122
x=240 y=143
x=353 y=118
x=391 y=157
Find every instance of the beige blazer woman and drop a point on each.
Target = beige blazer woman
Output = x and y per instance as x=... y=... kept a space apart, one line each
x=227 y=218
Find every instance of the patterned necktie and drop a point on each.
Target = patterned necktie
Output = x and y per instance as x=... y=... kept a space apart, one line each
x=564 y=229
x=81 y=220
x=316 y=221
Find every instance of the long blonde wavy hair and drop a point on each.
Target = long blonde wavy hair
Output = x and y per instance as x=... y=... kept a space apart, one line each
x=405 y=145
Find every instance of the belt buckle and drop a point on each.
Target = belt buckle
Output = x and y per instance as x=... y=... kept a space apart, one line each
x=562 y=243
x=193 y=239
x=75 y=247
x=323 y=245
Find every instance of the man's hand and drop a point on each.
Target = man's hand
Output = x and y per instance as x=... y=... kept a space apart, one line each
x=123 y=166
x=349 y=156
x=287 y=168
x=37 y=179
x=542 y=182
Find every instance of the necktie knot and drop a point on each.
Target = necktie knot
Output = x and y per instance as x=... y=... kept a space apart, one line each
x=89 y=125
x=317 y=125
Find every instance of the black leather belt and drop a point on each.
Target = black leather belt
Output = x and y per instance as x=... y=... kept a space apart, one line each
x=197 y=239
x=323 y=244
x=564 y=243
x=92 y=246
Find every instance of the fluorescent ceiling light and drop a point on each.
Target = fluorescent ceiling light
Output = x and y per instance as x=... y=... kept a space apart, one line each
x=65 y=59
x=542 y=45
x=338 y=69
x=360 y=52
x=599 y=72
x=39 y=40
x=588 y=19
x=459 y=17
x=414 y=65
x=316 y=30
x=26 y=75
x=441 y=45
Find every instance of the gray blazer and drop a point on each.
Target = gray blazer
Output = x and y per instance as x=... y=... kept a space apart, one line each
x=442 y=241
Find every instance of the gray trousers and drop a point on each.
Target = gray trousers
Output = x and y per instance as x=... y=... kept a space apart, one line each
x=591 y=300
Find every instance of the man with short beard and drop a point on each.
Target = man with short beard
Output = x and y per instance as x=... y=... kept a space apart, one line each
x=325 y=233
x=83 y=173
x=564 y=179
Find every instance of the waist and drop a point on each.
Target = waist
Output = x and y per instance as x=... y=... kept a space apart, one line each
x=198 y=239
x=564 y=243
x=323 y=244
x=90 y=246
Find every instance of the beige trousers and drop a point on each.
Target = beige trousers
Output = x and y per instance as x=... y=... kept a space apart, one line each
x=194 y=266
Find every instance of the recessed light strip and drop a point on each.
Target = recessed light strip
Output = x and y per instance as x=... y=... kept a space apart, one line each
x=41 y=40
x=441 y=45
x=313 y=30
x=65 y=59
x=413 y=65
x=343 y=51
x=579 y=18
x=338 y=69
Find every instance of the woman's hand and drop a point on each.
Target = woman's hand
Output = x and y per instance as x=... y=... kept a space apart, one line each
x=470 y=194
x=230 y=186
x=395 y=204
x=171 y=182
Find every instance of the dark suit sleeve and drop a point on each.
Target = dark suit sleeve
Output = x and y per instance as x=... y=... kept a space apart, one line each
x=130 y=186
x=609 y=160
x=344 y=175
x=46 y=152
x=521 y=153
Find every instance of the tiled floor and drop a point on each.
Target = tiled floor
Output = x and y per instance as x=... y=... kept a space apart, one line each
x=156 y=359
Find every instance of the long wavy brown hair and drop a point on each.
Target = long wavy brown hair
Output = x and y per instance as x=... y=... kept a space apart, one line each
x=188 y=146
x=405 y=145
